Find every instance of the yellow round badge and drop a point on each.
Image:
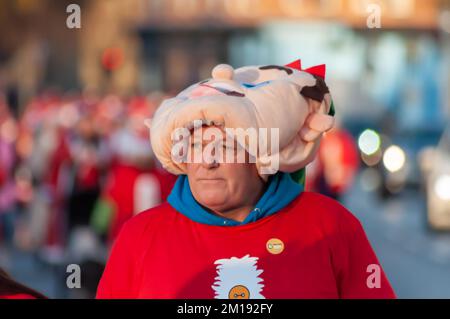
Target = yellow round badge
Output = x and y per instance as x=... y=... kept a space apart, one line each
x=275 y=246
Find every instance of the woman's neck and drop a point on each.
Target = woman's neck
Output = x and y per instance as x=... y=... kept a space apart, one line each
x=240 y=212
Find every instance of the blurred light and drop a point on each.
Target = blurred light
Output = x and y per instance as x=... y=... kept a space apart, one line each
x=442 y=187
x=369 y=142
x=394 y=158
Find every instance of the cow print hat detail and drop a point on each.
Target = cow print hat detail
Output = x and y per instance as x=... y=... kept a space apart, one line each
x=295 y=101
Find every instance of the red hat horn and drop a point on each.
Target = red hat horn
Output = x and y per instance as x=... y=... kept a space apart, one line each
x=318 y=70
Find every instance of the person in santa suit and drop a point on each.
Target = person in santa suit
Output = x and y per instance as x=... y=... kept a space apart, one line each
x=334 y=175
x=134 y=182
x=241 y=225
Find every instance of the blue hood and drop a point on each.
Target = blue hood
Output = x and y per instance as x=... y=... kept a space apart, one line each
x=280 y=191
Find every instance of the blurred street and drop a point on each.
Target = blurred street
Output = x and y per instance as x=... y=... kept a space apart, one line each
x=415 y=258
x=27 y=269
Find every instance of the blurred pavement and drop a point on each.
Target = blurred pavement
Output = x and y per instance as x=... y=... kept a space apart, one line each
x=415 y=258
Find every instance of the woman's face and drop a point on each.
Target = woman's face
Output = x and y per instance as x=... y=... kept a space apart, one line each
x=218 y=185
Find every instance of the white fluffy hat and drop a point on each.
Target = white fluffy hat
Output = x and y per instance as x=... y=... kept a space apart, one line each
x=295 y=101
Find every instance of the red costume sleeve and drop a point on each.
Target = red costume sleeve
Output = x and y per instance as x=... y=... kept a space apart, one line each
x=359 y=273
x=119 y=272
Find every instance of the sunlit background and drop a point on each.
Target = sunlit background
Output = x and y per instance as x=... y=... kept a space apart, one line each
x=75 y=157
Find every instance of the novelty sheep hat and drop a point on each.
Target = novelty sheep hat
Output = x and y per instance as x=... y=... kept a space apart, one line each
x=295 y=101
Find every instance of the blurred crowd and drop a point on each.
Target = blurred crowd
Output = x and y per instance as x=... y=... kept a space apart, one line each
x=73 y=169
x=69 y=161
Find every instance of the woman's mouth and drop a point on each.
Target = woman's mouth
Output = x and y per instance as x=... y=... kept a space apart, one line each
x=210 y=180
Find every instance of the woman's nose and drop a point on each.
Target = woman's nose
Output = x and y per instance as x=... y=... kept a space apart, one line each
x=210 y=161
x=211 y=165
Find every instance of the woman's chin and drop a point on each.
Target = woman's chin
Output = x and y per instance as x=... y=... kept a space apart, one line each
x=213 y=199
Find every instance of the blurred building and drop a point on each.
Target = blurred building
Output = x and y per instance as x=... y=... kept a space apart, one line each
x=143 y=45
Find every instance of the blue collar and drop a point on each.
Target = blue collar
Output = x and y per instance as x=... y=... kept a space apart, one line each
x=279 y=193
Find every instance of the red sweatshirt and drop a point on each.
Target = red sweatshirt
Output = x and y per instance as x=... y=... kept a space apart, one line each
x=312 y=248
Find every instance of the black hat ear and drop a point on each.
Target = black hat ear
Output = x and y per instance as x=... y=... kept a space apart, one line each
x=278 y=67
x=316 y=92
